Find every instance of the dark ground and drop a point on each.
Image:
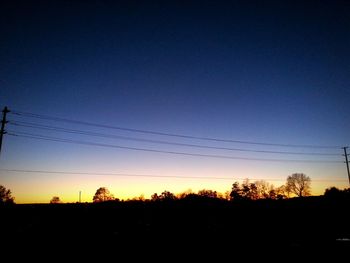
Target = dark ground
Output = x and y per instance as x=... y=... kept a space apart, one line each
x=182 y=228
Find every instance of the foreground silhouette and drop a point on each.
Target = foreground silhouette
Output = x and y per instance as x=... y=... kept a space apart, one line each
x=182 y=225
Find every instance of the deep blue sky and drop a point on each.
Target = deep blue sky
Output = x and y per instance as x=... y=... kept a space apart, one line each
x=269 y=71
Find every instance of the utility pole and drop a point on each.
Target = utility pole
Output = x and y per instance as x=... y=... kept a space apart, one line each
x=3 y=122
x=346 y=161
x=79 y=196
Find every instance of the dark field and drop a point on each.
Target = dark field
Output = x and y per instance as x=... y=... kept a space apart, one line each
x=195 y=226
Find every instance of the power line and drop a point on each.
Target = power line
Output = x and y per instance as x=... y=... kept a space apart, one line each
x=96 y=134
x=113 y=174
x=150 y=175
x=46 y=117
x=49 y=138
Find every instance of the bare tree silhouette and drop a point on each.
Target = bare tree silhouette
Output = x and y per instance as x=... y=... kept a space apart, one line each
x=299 y=184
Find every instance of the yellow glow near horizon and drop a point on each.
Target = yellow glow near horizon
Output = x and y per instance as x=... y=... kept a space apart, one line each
x=41 y=187
x=67 y=188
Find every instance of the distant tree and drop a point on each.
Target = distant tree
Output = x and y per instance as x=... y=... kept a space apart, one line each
x=257 y=190
x=253 y=192
x=138 y=198
x=245 y=189
x=224 y=196
x=263 y=189
x=249 y=191
x=281 y=192
x=236 y=191
x=277 y=193
x=142 y=198
x=154 y=197
x=184 y=194
x=272 y=194
x=166 y=195
x=55 y=200
x=5 y=196
x=298 y=184
x=102 y=194
x=208 y=193
x=335 y=193
x=227 y=195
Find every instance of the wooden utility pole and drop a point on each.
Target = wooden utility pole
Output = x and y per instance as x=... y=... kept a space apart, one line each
x=346 y=161
x=3 y=123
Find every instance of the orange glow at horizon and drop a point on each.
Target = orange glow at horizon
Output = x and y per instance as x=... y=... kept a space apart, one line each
x=43 y=188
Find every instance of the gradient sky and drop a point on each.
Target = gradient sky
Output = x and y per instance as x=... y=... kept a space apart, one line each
x=262 y=71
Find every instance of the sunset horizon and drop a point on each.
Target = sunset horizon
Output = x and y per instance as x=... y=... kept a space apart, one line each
x=146 y=96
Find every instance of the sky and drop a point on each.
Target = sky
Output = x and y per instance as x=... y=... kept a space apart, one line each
x=273 y=72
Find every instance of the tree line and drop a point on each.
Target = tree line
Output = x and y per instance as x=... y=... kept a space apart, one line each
x=297 y=184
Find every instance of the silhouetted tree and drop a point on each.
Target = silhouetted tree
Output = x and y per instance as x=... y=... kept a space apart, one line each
x=55 y=200
x=166 y=195
x=5 y=196
x=281 y=192
x=257 y=190
x=141 y=198
x=102 y=194
x=253 y=192
x=335 y=193
x=154 y=197
x=236 y=191
x=272 y=194
x=277 y=193
x=299 y=184
x=184 y=194
x=208 y=193
x=226 y=195
x=249 y=191
x=245 y=189
x=138 y=198
x=263 y=189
